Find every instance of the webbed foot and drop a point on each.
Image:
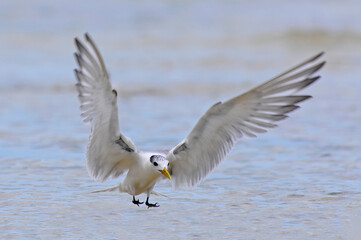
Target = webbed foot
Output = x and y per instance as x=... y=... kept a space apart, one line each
x=136 y=202
x=151 y=204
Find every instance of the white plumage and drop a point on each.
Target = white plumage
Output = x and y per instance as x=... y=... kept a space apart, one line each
x=110 y=154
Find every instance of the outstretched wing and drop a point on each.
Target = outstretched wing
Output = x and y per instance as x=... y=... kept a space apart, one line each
x=248 y=114
x=109 y=153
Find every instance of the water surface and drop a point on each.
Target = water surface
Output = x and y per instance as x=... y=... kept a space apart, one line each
x=169 y=62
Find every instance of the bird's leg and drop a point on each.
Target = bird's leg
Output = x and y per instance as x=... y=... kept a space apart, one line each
x=151 y=204
x=136 y=202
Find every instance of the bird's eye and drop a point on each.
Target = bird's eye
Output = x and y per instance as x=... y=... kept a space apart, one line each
x=168 y=164
x=155 y=163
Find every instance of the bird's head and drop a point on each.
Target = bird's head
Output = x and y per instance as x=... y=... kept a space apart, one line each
x=160 y=164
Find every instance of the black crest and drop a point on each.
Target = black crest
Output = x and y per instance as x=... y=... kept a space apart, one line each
x=154 y=158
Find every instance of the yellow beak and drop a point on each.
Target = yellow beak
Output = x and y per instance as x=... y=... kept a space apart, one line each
x=165 y=172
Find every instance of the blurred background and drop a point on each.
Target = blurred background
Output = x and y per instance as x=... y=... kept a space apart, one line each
x=170 y=61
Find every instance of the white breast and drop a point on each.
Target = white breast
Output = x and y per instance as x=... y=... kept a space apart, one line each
x=141 y=178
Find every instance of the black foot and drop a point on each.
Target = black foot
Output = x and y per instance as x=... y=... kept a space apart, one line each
x=136 y=202
x=151 y=204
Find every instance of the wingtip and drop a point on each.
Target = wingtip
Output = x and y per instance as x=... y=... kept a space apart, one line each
x=309 y=81
x=76 y=41
x=321 y=53
x=319 y=66
x=302 y=98
x=77 y=72
x=306 y=98
x=77 y=58
x=315 y=78
x=87 y=37
x=317 y=56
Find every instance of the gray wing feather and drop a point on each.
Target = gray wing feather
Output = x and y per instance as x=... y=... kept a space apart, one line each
x=245 y=115
x=109 y=153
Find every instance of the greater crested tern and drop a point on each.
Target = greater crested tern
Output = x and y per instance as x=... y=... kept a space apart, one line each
x=110 y=153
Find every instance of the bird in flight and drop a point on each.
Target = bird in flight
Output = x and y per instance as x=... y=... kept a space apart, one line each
x=111 y=154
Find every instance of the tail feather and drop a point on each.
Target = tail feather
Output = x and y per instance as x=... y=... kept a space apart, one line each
x=112 y=189
x=159 y=194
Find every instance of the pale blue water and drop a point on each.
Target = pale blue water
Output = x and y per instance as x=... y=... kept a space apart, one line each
x=170 y=61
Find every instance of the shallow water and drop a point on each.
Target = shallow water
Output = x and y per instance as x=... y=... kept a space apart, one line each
x=169 y=62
